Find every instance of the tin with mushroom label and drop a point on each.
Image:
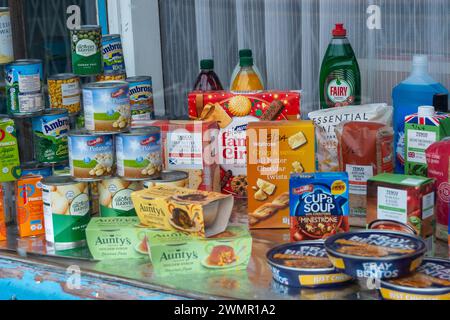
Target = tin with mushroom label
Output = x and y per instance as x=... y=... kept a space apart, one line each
x=115 y=197
x=139 y=154
x=65 y=92
x=141 y=98
x=24 y=87
x=113 y=59
x=91 y=157
x=6 y=40
x=50 y=136
x=107 y=107
x=87 y=50
x=66 y=212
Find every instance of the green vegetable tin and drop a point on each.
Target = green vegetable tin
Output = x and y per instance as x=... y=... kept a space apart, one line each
x=87 y=50
x=50 y=136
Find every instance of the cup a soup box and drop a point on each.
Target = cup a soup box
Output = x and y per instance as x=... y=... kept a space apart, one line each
x=408 y=200
x=319 y=205
x=190 y=146
x=197 y=213
x=117 y=238
x=233 y=112
x=276 y=149
x=179 y=253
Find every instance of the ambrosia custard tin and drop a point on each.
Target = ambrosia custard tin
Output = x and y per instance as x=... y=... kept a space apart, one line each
x=375 y=253
x=431 y=281
x=304 y=264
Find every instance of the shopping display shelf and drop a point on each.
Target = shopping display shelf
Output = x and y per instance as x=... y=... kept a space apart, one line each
x=29 y=268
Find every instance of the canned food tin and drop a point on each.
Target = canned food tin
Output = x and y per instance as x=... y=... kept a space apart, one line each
x=24 y=87
x=61 y=169
x=141 y=98
x=65 y=92
x=139 y=154
x=66 y=211
x=94 y=194
x=91 y=156
x=6 y=40
x=110 y=77
x=86 y=50
x=171 y=178
x=115 y=197
x=113 y=60
x=50 y=136
x=36 y=169
x=107 y=106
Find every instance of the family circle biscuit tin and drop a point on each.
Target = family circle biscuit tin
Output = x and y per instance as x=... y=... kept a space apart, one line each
x=6 y=39
x=431 y=281
x=65 y=92
x=139 y=154
x=172 y=178
x=376 y=254
x=113 y=59
x=66 y=211
x=91 y=156
x=304 y=264
x=141 y=98
x=24 y=87
x=115 y=197
x=50 y=136
x=86 y=50
x=107 y=107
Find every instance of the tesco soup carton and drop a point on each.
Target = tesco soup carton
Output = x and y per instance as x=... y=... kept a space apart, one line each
x=233 y=112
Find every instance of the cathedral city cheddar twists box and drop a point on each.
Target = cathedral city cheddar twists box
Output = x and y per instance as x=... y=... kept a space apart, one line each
x=233 y=112
x=276 y=149
x=319 y=205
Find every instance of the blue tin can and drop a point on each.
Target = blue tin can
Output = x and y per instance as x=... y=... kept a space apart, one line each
x=141 y=98
x=36 y=169
x=112 y=52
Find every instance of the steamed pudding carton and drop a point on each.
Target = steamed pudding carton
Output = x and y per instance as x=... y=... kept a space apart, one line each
x=197 y=213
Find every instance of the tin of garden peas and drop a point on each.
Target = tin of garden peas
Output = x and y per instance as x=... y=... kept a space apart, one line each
x=50 y=136
x=113 y=60
x=65 y=92
x=87 y=50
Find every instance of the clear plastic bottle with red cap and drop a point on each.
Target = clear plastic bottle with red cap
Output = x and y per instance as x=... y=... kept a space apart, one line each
x=340 y=77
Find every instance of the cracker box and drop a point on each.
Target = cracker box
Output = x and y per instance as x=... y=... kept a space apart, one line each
x=117 y=238
x=421 y=131
x=198 y=213
x=30 y=206
x=2 y=215
x=276 y=149
x=190 y=146
x=178 y=253
x=319 y=205
x=233 y=112
x=405 y=199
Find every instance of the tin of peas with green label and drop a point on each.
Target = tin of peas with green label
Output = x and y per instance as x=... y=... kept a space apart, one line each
x=50 y=136
x=87 y=50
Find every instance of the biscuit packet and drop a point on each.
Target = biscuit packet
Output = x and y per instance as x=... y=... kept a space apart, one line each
x=327 y=120
x=365 y=149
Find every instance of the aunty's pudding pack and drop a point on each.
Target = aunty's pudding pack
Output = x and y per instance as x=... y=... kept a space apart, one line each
x=233 y=112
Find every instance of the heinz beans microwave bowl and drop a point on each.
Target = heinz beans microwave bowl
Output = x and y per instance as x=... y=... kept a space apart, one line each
x=318 y=205
x=304 y=264
x=375 y=254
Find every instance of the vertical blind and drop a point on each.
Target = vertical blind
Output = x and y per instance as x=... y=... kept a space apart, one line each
x=290 y=37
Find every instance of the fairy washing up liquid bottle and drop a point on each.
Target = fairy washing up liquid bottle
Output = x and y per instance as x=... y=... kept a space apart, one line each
x=419 y=89
x=340 y=77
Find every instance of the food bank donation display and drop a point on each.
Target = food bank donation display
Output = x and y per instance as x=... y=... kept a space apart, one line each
x=94 y=170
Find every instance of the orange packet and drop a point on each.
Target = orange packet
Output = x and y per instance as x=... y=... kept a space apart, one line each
x=30 y=206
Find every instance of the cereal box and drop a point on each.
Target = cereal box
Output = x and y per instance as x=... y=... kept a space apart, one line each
x=30 y=206
x=198 y=213
x=190 y=146
x=276 y=149
x=405 y=199
x=319 y=205
x=233 y=112
x=2 y=216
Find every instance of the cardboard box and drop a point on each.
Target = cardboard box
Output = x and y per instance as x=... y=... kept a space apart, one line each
x=190 y=146
x=319 y=205
x=117 y=238
x=198 y=213
x=178 y=253
x=9 y=151
x=2 y=215
x=405 y=199
x=233 y=112
x=276 y=149
x=30 y=206
x=420 y=133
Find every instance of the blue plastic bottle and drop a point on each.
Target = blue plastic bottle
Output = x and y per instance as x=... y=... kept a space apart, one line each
x=417 y=90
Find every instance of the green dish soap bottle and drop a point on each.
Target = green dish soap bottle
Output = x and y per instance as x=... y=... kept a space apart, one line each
x=340 y=77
